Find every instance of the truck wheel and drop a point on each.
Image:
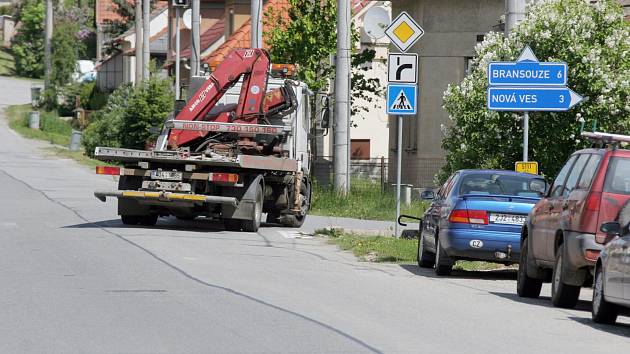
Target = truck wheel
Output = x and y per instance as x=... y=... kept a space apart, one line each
x=293 y=220
x=253 y=224
x=562 y=295
x=232 y=224
x=443 y=264
x=526 y=286
x=425 y=259
x=148 y=220
x=130 y=219
x=603 y=311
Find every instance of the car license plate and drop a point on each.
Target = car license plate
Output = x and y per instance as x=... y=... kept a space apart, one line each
x=167 y=175
x=509 y=219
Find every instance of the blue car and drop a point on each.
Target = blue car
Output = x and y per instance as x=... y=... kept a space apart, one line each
x=477 y=215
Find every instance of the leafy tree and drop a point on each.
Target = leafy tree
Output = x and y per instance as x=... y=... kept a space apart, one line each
x=28 y=43
x=130 y=113
x=594 y=40
x=306 y=35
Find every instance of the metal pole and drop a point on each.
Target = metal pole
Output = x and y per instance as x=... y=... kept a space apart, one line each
x=342 y=95
x=525 y=135
x=194 y=55
x=48 y=31
x=398 y=173
x=146 y=33
x=177 y=51
x=256 y=35
x=138 y=76
x=514 y=13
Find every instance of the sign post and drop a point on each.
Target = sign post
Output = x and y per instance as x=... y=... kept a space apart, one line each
x=402 y=88
x=529 y=85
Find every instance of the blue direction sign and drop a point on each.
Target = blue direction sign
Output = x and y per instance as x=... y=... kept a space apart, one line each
x=532 y=98
x=527 y=71
x=402 y=99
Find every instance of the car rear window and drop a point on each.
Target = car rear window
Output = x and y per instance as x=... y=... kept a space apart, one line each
x=618 y=176
x=497 y=184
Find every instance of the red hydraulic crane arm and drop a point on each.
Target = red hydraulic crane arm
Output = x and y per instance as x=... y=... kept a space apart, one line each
x=253 y=66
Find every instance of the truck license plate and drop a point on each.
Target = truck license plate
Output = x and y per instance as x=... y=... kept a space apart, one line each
x=167 y=175
x=509 y=219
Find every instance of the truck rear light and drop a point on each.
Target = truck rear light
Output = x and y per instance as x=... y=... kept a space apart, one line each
x=591 y=255
x=223 y=177
x=465 y=216
x=108 y=170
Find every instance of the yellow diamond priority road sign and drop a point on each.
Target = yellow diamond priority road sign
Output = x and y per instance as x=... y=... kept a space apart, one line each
x=526 y=167
x=404 y=31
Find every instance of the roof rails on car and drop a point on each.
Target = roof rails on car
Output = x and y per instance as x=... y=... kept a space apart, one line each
x=600 y=139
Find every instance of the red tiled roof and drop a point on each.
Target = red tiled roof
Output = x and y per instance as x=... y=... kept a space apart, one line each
x=241 y=38
x=207 y=38
x=106 y=10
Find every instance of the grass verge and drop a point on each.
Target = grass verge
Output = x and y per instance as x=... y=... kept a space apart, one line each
x=52 y=128
x=391 y=250
x=365 y=201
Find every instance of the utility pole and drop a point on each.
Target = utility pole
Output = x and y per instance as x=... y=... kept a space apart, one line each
x=256 y=16
x=514 y=13
x=48 y=32
x=177 y=51
x=342 y=99
x=195 y=52
x=146 y=33
x=139 y=40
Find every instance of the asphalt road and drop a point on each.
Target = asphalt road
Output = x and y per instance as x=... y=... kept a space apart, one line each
x=74 y=279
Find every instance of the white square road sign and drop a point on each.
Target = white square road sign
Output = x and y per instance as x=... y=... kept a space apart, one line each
x=404 y=31
x=403 y=68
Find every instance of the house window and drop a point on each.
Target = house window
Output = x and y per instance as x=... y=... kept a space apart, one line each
x=360 y=149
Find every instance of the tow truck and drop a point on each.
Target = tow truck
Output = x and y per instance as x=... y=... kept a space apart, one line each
x=238 y=148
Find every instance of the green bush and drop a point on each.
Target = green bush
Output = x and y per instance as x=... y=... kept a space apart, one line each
x=130 y=113
x=28 y=43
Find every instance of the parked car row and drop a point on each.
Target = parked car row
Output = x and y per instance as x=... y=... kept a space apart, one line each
x=573 y=233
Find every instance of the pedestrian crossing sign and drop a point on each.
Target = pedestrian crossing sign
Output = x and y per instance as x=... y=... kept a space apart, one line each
x=402 y=99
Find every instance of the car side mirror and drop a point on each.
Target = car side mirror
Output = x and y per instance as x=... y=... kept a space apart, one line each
x=427 y=195
x=611 y=228
x=538 y=185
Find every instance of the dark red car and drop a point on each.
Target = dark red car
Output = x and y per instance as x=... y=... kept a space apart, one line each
x=561 y=239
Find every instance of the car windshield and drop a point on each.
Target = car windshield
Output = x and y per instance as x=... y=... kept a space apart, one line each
x=497 y=184
x=618 y=176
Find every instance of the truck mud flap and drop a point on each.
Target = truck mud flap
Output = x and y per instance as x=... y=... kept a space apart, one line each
x=245 y=208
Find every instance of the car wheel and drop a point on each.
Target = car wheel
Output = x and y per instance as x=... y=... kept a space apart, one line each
x=526 y=286
x=562 y=295
x=602 y=311
x=253 y=224
x=425 y=259
x=443 y=264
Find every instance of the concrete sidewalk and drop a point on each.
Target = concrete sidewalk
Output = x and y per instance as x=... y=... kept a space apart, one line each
x=368 y=227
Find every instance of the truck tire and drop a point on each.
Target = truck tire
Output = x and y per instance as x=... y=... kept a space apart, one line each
x=253 y=224
x=293 y=220
x=526 y=286
x=130 y=219
x=562 y=295
x=232 y=224
x=425 y=259
x=602 y=311
x=443 y=264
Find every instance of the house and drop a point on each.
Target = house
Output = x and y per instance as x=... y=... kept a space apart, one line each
x=119 y=68
x=7 y=30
